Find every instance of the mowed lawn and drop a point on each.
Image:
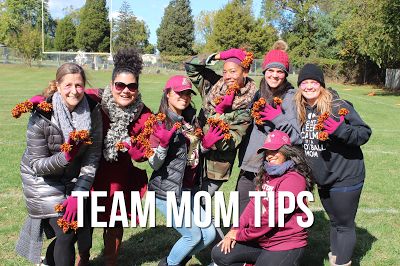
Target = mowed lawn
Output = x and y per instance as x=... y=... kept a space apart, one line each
x=378 y=226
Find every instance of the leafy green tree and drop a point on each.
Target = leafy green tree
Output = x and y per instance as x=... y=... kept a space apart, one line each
x=175 y=36
x=370 y=30
x=27 y=43
x=20 y=26
x=65 y=35
x=128 y=31
x=93 y=31
x=204 y=25
x=235 y=26
x=261 y=38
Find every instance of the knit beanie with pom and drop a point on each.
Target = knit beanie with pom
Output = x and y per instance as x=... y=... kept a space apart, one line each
x=277 y=57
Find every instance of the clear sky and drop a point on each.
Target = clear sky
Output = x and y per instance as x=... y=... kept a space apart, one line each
x=151 y=11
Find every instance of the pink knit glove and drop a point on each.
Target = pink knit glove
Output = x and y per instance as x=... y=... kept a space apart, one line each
x=163 y=134
x=331 y=125
x=69 y=156
x=136 y=150
x=269 y=113
x=37 y=99
x=225 y=104
x=213 y=135
x=71 y=208
x=233 y=52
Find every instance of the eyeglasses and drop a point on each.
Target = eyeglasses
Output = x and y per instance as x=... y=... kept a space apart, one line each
x=306 y=84
x=120 y=86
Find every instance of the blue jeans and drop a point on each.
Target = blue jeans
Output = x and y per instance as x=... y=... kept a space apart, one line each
x=193 y=238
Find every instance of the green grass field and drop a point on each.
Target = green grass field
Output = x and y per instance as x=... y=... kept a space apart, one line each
x=378 y=226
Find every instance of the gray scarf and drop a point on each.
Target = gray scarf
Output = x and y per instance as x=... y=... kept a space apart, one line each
x=78 y=119
x=120 y=118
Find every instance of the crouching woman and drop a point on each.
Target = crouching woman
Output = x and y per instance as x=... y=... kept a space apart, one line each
x=284 y=170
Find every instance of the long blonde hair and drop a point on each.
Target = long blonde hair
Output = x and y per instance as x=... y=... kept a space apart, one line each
x=323 y=102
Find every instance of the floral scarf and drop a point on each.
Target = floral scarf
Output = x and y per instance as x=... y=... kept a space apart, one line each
x=242 y=99
x=120 y=119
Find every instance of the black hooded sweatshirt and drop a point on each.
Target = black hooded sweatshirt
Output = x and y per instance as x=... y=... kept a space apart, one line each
x=338 y=161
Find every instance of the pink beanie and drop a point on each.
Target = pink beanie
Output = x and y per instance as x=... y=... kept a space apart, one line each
x=277 y=57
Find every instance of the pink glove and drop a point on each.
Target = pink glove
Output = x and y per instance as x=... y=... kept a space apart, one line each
x=71 y=208
x=70 y=155
x=213 y=135
x=233 y=52
x=163 y=134
x=331 y=125
x=136 y=150
x=225 y=104
x=270 y=112
x=37 y=99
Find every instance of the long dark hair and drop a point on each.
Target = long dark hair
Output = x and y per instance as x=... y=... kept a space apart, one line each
x=268 y=94
x=296 y=154
x=189 y=114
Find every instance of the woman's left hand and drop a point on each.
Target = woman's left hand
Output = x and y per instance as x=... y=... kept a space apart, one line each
x=228 y=242
x=136 y=150
x=270 y=113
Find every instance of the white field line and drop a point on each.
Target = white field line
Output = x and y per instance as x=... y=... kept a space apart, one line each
x=366 y=210
x=381 y=152
x=368 y=100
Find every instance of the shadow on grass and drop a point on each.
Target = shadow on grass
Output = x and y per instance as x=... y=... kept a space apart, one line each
x=146 y=246
x=150 y=245
x=318 y=242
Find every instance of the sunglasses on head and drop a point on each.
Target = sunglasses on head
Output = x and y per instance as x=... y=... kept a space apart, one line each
x=120 y=86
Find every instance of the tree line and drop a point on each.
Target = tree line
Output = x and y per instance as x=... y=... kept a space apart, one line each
x=355 y=40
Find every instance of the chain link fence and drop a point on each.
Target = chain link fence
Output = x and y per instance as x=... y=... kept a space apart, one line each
x=152 y=63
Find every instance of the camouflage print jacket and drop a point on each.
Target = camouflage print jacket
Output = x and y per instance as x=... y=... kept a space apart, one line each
x=219 y=160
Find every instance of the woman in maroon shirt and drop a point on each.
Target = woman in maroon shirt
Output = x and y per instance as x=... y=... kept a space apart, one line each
x=284 y=169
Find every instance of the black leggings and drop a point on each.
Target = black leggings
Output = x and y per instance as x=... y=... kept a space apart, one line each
x=244 y=185
x=341 y=208
x=61 y=251
x=245 y=253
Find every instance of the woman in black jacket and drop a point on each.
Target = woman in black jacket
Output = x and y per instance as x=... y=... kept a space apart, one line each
x=332 y=133
x=175 y=162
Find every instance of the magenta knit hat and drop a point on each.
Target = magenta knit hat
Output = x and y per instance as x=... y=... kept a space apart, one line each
x=277 y=57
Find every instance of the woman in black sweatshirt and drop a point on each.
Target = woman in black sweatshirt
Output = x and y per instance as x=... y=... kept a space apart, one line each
x=332 y=133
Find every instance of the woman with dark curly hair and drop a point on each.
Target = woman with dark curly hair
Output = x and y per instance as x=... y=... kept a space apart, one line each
x=124 y=115
x=283 y=170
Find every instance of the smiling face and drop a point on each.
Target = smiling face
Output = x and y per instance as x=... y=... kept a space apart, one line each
x=274 y=157
x=274 y=77
x=71 y=87
x=178 y=101
x=310 y=90
x=234 y=73
x=123 y=97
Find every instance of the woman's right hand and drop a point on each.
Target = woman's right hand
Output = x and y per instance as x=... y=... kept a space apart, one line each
x=226 y=244
x=35 y=100
x=75 y=146
x=163 y=134
x=213 y=135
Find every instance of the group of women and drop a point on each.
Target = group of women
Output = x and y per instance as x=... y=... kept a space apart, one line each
x=189 y=151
